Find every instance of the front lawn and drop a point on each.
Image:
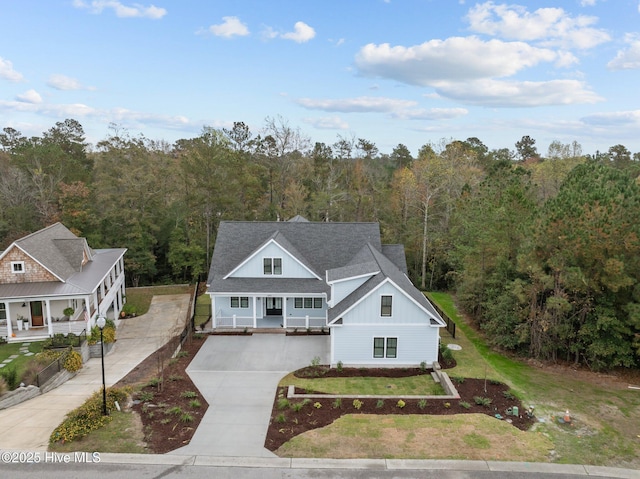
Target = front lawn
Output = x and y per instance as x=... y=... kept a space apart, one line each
x=422 y=385
x=13 y=349
x=140 y=298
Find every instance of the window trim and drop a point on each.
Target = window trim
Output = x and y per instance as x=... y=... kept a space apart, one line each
x=298 y=303
x=272 y=266
x=383 y=306
x=3 y=311
x=383 y=347
x=309 y=302
x=239 y=302
x=20 y=265
x=317 y=303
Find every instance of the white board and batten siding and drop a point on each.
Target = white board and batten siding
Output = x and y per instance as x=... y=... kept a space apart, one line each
x=254 y=266
x=417 y=341
x=342 y=289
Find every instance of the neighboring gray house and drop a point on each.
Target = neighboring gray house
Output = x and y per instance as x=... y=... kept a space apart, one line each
x=301 y=274
x=52 y=272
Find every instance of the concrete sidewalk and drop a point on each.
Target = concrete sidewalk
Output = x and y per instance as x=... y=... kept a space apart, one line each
x=28 y=425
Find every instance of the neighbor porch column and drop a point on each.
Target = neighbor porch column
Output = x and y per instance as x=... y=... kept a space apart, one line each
x=9 y=328
x=255 y=313
x=49 y=322
x=284 y=312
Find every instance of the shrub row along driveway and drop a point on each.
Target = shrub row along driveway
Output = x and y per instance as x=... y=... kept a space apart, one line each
x=238 y=376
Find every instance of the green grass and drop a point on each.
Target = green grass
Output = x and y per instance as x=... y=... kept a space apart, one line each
x=415 y=385
x=140 y=298
x=203 y=309
x=123 y=434
x=21 y=361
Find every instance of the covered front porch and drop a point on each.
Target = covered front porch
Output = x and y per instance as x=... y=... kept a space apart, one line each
x=255 y=311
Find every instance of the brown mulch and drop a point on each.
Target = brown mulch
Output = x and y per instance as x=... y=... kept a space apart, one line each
x=286 y=423
x=169 y=419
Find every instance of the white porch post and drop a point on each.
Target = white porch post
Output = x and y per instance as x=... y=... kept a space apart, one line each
x=213 y=312
x=9 y=328
x=87 y=306
x=284 y=312
x=49 y=322
x=255 y=313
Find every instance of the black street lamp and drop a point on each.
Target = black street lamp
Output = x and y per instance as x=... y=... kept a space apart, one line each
x=101 y=322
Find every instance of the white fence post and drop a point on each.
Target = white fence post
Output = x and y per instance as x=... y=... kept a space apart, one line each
x=234 y=321
x=306 y=321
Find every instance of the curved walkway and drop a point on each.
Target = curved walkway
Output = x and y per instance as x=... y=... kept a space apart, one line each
x=27 y=426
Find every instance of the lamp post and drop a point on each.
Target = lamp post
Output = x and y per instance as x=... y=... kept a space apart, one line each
x=101 y=322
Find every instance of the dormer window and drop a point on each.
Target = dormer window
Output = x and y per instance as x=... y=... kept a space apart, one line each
x=17 y=267
x=385 y=305
x=272 y=266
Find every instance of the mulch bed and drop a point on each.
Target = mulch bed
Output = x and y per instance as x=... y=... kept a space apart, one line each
x=169 y=419
x=286 y=423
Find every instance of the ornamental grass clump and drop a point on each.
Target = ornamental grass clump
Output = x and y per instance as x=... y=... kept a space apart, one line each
x=88 y=417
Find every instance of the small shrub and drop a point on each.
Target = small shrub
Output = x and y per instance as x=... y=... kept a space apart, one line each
x=400 y=404
x=145 y=396
x=457 y=379
x=175 y=377
x=281 y=418
x=317 y=405
x=423 y=366
x=464 y=404
x=315 y=362
x=509 y=395
x=482 y=401
x=422 y=403
x=73 y=362
x=189 y=394
x=337 y=403
x=175 y=410
x=30 y=373
x=447 y=405
x=173 y=361
x=283 y=403
x=10 y=375
x=297 y=406
x=154 y=382
x=186 y=417
x=182 y=354
x=379 y=404
x=198 y=336
x=166 y=420
x=339 y=366
x=357 y=404
x=194 y=403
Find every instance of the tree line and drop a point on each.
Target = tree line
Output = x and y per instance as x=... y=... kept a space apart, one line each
x=541 y=250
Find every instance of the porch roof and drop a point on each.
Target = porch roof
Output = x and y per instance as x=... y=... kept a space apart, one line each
x=288 y=286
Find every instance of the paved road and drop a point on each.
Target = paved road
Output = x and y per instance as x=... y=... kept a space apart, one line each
x=27 y=426
x=119 y=466
x=238 y=376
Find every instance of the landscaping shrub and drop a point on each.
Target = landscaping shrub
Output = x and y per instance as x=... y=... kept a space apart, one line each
x=422 y=403
x=464 y=404
x=337 y=403
x=482 y=401
x=283 y=403
x=10 y=376
x=73 y=361
x=108 y=333
x=401 y=404
x=380 y=404
x=357 y=404
x=87 y=417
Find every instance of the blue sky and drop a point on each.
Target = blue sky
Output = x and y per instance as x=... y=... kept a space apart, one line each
x=389 y=71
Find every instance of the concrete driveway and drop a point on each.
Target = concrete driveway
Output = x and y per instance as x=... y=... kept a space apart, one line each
x=238 y=376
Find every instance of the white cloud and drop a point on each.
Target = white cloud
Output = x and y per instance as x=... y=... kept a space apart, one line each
x=628 y=58
x=8 y=73
x=30 y=96
x=63 y=82
x=587 y=3
x=456 y=58
x=548 y=26
x=327 y=123
x=122 y=11
x=400 y=109
x=301 y=33
x=618 y=118
x=497 y=93
x=231 y=27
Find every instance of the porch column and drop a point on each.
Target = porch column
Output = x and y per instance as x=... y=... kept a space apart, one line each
x=9 y=328
x=284 y=312
x=88 y=317
x=255 y=313
x=213 y=312
x=49 y=322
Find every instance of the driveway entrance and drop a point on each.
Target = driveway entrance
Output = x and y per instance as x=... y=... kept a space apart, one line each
x=238 y=376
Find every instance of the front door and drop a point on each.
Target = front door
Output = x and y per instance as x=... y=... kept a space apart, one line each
x=36 y=314
x=274 y=307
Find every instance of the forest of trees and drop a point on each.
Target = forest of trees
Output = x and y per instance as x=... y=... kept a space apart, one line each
x=542 y=250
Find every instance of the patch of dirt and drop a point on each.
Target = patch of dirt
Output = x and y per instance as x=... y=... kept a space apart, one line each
x=167 y=411
x=287 y=423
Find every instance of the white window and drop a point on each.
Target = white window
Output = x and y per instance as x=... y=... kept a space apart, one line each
x=317 y=303
x=239 y=301
x=17 y=266
x=385 y=348
x=3 y=311
x=307 y=303
x=272 y=266
x=385 y=305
